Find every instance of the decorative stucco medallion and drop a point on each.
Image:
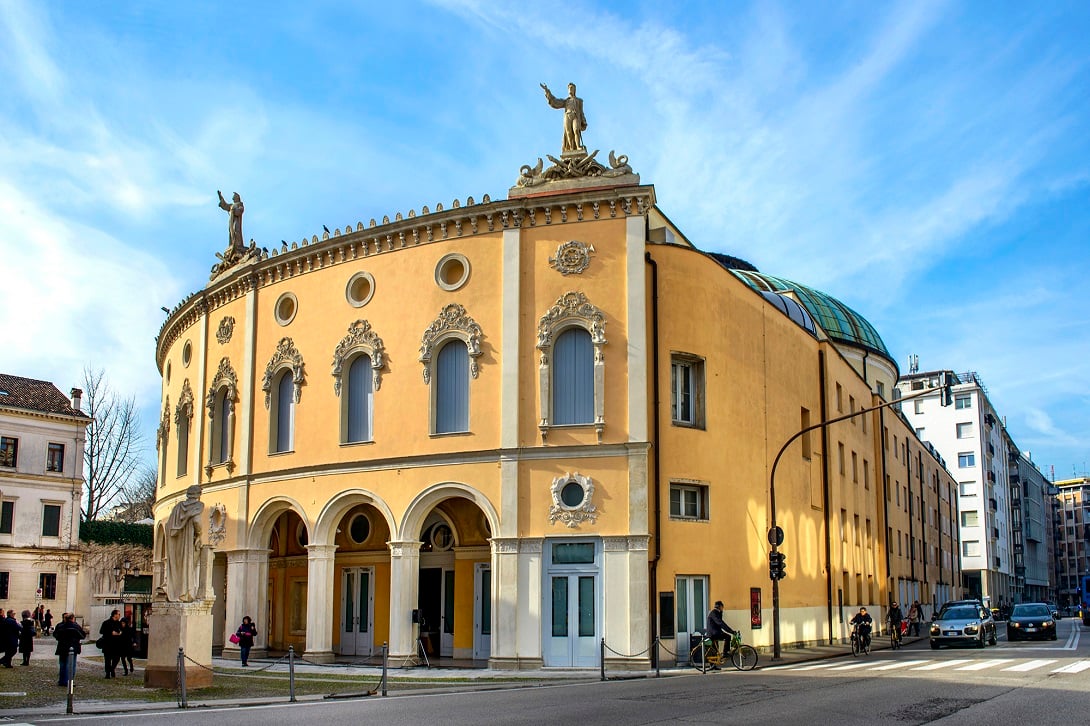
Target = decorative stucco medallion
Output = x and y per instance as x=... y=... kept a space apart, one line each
x=572 y=497
x=572 y=257
x=217 y=524
x=225 y=329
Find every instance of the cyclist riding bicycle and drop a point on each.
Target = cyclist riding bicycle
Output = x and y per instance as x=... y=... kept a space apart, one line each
x=716 y=628
x=861 y=623
x=895 y=616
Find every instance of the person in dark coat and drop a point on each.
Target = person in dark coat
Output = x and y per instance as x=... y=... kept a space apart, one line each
x=246 y=633
x=10 y=630
x=69 y=636
x=128 y=637
x=26 y=637
x=111 y=630
x=47 y=622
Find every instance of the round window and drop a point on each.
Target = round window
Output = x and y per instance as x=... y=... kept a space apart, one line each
x=361 y=287
x=301 y=535
x=442 y=538
x=286 y=308
x=359 y=529
x=187 y=353
x=572 y=494
x=452 y=271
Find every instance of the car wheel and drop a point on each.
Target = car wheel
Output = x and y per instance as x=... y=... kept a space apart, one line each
x=1053 y=637
x=934 y=645
x=994 y=640
x=980 y=640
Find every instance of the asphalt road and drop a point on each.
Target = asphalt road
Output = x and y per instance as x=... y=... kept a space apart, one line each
x=1012 y=683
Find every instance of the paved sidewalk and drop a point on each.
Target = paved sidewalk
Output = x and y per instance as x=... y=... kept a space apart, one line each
x=435 y=679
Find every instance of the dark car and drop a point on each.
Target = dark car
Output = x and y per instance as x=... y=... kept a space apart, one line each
x=1031 y=620
x=963 y=622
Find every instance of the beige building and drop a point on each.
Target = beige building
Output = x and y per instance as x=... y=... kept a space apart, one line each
x=508 y=430
x=42 y=436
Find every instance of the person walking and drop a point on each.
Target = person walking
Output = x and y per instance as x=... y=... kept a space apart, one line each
x=10 y=631
x=915 y=617
x=246 y=633
x=128 y=635
x=26 y=637
x=39 y=616
x=110 y=632
x=69 y=637
x=47 y=622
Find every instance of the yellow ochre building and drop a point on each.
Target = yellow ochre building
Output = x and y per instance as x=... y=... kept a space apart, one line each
x=505 y=431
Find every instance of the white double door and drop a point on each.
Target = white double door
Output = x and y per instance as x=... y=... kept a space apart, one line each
x=357 y=610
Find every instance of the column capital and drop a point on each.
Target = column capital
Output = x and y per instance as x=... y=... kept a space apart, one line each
x=407 y=548
x=321 y=551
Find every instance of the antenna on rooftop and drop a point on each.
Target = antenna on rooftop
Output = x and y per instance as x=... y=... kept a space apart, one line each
x=913 y=363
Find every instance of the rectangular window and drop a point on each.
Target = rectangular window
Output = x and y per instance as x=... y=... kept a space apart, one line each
x=919 y=433
x=918 y=405
x=54 y=458
x=9 y=451
x=687 y=390
x=804 y=422
x=855 y=467
x=47 y=581
x=967 y=488
x=866 y=474
x=51 y=520
x=964 y=430
x=839 y=398
x=970 y=548
x=7 y=516
x=4 y=585
x=688 y=501
x=840 y=457
x=963 y=400
x=966 y=460
x=578 y=553
x=970 y=518
x=889 y=539
x=851 y=409
x=844 y=526
x=881 y=389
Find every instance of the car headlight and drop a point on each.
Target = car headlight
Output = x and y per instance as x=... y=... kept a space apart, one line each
x=935 y=630
x=972 y=628
x=1048 y=624
x=1016 y=625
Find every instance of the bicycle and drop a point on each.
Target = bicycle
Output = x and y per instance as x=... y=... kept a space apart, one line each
x=896 y=634
x=860 y=642
x=708 y=655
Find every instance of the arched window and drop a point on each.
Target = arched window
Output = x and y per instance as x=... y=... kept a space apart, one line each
x=452 y=388
x=573 y=378
x=283 y=413
x=183 y=444
x=221 y=449
x=361 y=399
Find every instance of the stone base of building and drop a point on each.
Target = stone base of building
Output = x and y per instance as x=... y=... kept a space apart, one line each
x=628 y=664
x=320 y=656
x=516 y=664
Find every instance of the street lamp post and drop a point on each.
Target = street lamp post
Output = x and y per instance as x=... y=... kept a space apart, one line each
x=775 y=533
x=123 y=569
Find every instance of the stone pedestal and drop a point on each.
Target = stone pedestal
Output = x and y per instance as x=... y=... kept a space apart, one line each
x=174 y=625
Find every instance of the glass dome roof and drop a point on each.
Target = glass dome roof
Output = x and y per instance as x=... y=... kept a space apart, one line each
x=837 y=319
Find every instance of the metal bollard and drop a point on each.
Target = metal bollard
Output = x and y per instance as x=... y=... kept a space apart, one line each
x=291 y=673
x=385 y=664
x=183 y=702
x=602 y=657
x=658 y=674
x=71 y=678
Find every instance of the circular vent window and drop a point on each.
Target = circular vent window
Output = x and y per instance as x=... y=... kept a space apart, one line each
x=361 y=287
x=452 y=272
x=359 y=529
x=286 y=308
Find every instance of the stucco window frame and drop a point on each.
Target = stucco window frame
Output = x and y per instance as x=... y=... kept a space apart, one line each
x=224 y=389
x=183 y=419
x=361 y=339
x=453 y=323
x=572 y=309
x=286 y=358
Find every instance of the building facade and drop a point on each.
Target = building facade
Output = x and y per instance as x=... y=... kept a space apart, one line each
x=1072 y=527
x=508 y=430
x=1032 y=497
x=42 y=436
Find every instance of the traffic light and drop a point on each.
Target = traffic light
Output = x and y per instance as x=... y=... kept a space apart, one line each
x=776 y=565
x=946 y=396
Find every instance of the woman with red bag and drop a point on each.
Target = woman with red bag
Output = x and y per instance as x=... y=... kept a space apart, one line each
x=245 y=638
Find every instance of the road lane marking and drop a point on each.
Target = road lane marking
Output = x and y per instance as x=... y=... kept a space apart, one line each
x=943 y=664
x=1030 y=665
x=815 y=667
x=899 y=664
x=981 y=665
x=850 y=666
x=1077 y=667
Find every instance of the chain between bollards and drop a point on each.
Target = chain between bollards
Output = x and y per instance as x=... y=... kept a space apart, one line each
x=183 y=702
x=291 y=673
x=385 y=664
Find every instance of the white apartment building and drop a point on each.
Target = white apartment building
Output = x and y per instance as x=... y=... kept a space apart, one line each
x=1032 y=498
x=969 y=435
x=42 y=437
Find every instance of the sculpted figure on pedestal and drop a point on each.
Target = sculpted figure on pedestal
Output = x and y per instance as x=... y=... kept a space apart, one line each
x=236 y=251
x=181 y=572
x=575 y=123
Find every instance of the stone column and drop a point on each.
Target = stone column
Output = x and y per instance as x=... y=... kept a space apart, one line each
x=319 y=606
x=625 y=624
x=505 y=596
x=530 y=603
x=404 y=598
x=247 y=583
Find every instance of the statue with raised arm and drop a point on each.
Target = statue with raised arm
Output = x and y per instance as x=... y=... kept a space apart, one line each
x=181 y=568
x=575 y=123
x=234 y=222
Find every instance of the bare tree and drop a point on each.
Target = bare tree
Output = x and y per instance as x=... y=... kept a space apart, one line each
x=113 y=451
x=140 y=495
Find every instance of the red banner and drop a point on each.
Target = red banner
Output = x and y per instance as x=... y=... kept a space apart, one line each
x=755 y=608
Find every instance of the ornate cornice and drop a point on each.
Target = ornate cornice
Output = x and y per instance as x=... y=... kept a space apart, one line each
x=352 y=243
x=453 y=320
x=361 y=338
x=285 y=355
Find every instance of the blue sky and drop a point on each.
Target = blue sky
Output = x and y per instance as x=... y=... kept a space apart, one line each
x=928 y=163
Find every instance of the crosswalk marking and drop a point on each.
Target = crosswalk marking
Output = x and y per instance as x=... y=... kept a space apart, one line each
x=943 y=664
x=850 y=666
x=1077 y=667
x=1029 y=665
x=815 y=666
x=981 y=665
x=898 y=664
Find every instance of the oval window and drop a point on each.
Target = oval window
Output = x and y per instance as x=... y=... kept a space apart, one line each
x=442 y=538
x=572 y=494
x=452 y=271
x=301 y=535
x=361 y=287
x=187 y=353
x=286 y=307
x=359 y=529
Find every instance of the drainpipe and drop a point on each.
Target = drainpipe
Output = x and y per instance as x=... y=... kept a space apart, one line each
x=656 y=499
x=825 y=495
x=885 y=494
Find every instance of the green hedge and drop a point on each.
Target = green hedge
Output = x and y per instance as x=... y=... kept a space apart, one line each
x=116 y=533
